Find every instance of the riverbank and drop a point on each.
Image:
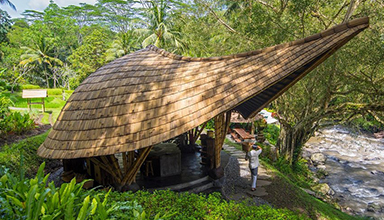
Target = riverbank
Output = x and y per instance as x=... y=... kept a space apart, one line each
x=354 y=169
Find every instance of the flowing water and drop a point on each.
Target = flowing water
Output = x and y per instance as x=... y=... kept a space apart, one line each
x=355 y=164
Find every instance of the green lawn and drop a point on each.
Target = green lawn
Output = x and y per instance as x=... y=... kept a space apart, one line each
x=53 y=103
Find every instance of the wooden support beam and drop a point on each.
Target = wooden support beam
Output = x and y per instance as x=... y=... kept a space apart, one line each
x=125 y=162
x=106 y=168
x=116 y=166
x=222 y=122
x=131 y=158
x=129 y=178
x=199 y=131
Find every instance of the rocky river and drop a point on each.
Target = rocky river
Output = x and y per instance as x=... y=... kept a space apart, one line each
x=355 y=167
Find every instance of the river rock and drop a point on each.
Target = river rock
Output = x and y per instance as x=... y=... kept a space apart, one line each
x=318 y=159
x=321 y=167
x=324 y=189
x=321 y=172
x=374 y=207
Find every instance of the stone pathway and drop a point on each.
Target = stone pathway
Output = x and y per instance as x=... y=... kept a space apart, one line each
x=241 y=187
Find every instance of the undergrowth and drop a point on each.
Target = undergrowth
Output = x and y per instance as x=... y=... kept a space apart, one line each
x=25 y=151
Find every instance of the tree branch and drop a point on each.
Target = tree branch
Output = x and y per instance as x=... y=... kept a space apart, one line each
x=224 y=23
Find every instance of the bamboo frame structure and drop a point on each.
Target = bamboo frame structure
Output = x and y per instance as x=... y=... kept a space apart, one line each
x=110 y=164
x=194 y=134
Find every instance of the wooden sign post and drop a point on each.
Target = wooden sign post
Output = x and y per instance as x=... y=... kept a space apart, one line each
x=35 y=93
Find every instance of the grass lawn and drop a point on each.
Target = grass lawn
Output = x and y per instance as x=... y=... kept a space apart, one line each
x=53 y=104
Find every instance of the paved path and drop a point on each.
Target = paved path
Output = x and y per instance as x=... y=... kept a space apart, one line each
x=262 y=179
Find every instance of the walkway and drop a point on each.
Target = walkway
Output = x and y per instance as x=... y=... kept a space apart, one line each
x=238 y=176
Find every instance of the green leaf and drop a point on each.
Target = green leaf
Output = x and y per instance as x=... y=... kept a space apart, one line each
x=84 y=211
x=69 y=209
x=15 y=201
x=31 y=200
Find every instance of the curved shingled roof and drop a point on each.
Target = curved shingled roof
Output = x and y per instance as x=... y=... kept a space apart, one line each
x=152 y=95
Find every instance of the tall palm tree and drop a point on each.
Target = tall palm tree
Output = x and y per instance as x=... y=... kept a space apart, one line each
x=159 y=31
x=40 y=55
x=3 y=2
x=122 y=45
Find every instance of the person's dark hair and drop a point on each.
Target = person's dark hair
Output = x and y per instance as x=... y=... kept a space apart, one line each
x=254 y=146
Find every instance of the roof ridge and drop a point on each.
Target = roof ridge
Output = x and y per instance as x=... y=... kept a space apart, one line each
x=335 y=29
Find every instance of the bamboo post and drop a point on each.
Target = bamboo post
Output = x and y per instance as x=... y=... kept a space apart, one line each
x=125 y=162
x=106 y=168
x=115 y=164
x=198 y=133
x=130 y=176
x=222 y=122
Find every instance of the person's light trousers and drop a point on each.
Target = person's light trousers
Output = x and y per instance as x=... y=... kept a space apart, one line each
x=254 y=176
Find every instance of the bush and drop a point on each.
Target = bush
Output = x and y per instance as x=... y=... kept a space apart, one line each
x=35 y=199
x=5 y=103
x=32 y=199
x=271 y=133
x=13 y=122
x=30 y=86
x=54 y=92
x=16 y=123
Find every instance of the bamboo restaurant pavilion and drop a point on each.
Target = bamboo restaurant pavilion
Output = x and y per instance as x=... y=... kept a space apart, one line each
x=149 y=96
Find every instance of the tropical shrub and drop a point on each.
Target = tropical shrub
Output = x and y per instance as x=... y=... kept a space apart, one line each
x=30 y=86
x=271 y=133
x=13 y=122
x=16 y=123
x=54 y=92
x=4 y=104
x=35 y=199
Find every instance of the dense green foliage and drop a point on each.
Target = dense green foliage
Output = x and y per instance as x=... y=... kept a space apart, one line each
x=271 y=133
x=193 y=206
x=13 y=122
x=33 y=199
x=21 y=156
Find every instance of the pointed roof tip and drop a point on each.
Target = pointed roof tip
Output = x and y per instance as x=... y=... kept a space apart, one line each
x=363 y=21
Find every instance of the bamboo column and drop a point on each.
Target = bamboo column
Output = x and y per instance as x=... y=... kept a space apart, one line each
x=222 y=122
x=194 y=134
x=131 y=174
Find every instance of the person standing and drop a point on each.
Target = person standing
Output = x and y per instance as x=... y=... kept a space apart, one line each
x=253 y=157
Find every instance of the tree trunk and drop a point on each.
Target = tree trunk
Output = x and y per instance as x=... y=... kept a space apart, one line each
x=292 y=139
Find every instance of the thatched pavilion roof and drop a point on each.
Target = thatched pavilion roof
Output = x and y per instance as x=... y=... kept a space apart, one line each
x=152 y=95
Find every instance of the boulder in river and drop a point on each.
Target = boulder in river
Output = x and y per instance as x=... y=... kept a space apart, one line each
x=321 y=167
x=379 y=134
x=318 y=159
x=374 y=207
x=324 y=189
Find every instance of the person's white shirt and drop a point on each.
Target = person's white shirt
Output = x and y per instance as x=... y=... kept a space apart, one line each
x=253 y=156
